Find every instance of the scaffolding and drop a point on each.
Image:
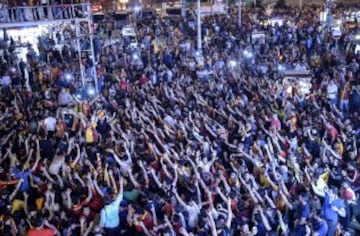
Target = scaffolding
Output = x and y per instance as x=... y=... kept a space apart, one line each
x=77 y=15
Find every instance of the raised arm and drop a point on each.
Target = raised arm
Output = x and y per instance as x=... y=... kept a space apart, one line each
x=230 y=214
x=37 y=156
x=264 y=220
x=89 y=185
x=16 y=190
x=212 y=224
x=179 y=198
x=96 y=185
x=156 y=179
x=120 y=194
x=78 y=155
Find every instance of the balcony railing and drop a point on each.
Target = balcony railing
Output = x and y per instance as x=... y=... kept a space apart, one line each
x=43 y=13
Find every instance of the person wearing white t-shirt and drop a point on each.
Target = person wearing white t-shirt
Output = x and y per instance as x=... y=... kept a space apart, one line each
x=50 y=124
x=332 y=92
x=64 y=98
x=192 y=209
x=6 y=80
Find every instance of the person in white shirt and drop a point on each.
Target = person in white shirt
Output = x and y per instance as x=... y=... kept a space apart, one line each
x=332 y=92
x=50 y=124
x=6 y=80
x=192 y=209
x=109 y=215
x=64 y=97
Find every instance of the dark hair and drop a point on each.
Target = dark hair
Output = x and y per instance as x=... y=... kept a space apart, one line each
x=107 y=200
x=37 y=221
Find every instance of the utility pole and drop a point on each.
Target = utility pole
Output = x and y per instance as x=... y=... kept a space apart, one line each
x=199 y=46
x=239 y=13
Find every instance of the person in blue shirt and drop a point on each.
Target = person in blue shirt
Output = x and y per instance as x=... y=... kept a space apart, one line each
x=319 y=225
x=20 y=171
x=302 y=214
x=333 y=207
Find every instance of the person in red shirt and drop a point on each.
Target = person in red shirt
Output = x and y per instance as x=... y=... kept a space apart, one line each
x=143 y=79
x=124 y=85
x=39 y=229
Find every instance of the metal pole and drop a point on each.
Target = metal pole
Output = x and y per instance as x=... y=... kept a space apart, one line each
x=300 y=4
x=227 y=7
x=239 y=13
x=199 y=47
x=183 y=9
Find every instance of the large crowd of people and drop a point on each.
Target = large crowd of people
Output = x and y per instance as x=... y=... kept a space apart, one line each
x=165 y=150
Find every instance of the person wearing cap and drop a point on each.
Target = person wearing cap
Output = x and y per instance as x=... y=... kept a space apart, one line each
x=349 y=222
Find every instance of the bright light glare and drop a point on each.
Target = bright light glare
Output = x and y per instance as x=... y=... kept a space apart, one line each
x=357 y=37
x=78 y=96
x=68 y=76
x=136 y=56
x=91 y=91
x=232 y=63
x=248 y=54
x=137 y=8
x=281 y=68
x=27 y=35
x=12 y=70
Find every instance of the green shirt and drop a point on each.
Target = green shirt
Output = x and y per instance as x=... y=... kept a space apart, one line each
x=132 y=195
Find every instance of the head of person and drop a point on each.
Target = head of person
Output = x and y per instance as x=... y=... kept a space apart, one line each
x=333 y=194
x=37 y=222
x=107 y=200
